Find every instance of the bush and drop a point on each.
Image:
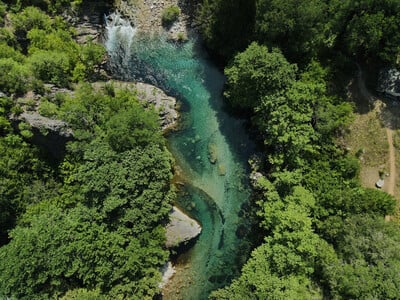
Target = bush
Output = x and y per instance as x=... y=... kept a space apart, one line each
x=170 y=14
x=14 y=78
x=51 y=67
x=48 y=109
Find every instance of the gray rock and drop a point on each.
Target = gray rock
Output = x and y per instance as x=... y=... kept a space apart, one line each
x=37 y=121
x=181 y=228
x=164 y=105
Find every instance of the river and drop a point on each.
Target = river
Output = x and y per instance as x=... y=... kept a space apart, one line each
x=211 y=151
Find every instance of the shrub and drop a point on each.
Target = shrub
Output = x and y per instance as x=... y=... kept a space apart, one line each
x=48 y=109
x=14 y=78
x=51 y=67
x=170 y=15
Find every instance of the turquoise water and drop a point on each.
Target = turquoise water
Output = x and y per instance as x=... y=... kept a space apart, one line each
x=211 y=151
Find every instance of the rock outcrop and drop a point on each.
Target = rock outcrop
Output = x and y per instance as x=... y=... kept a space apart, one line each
x=164 y=105
x=181 y=229
x=146 y=15
x=88 y=20
x=46 y=125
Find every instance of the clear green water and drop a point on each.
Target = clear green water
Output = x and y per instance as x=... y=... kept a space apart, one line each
x=214 y=193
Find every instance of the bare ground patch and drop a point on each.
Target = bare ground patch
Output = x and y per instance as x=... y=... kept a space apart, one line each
x=374 y=137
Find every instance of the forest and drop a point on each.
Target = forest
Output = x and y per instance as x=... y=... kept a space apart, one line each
x=324 y=236
x=89 y=223
x=67 y=224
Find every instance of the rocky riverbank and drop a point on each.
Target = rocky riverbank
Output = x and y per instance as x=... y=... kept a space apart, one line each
x=164 y=105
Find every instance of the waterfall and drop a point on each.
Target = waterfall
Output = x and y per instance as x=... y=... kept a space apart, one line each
x=119 y=35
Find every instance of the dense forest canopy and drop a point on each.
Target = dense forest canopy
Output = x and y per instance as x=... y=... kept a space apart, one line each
x=89 y=224
x=324 y=236
x=304 y=30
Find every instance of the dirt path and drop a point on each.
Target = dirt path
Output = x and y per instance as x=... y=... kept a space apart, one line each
x=391 y=182
x=392 y=162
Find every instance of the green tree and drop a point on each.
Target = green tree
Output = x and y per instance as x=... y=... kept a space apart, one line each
x=51 y=66
x=29 y=18
x=297 y=27
x=130 y=188
x=128 y=129
x=367 y=29
x=255 y=73
x=14 y=77
x=369 y=251
x=64 y=250
x=227 y=26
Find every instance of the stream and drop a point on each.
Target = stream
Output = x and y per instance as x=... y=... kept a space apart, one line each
x=211 y=150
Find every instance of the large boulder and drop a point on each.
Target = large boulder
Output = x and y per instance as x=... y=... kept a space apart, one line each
x=181 y=229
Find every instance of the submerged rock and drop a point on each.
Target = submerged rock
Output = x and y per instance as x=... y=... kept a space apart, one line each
x=181 y=228
x=221 y=170
x=212 y=153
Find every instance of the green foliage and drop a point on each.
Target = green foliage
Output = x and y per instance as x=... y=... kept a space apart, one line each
x=9 y=52
x=125 y=198
x=92 y=226
x=3 y=11
x=281 y=267
x=368 y=29
x=304 y=30
x=297 y=27
x=19 y=166
x=48 y=109
x=369 y=263
x=25 y=130
x=54 y=56
x=255 y=73
x=227 y=26
x=14 y=77
x=52 y=7
x=51 y=66
x=170 y=14
x=62 y=250
x=128 y=129
x=29 y=18
x=83 y=294
x=310 y=191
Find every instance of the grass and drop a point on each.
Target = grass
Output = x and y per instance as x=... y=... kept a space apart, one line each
x=367 y=140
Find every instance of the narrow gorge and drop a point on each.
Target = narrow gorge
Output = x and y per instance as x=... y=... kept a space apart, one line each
x=211 y=150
